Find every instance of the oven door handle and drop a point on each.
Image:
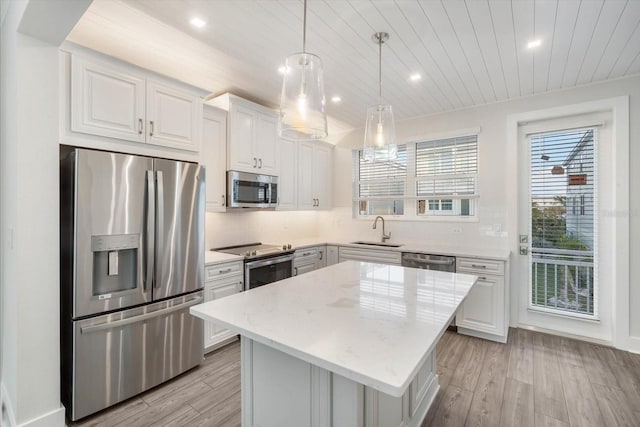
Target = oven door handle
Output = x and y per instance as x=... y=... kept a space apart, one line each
x=268 y=261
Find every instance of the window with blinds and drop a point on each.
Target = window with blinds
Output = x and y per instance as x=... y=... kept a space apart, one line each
x=446 y=176
x=380 y=186
x=562 y=196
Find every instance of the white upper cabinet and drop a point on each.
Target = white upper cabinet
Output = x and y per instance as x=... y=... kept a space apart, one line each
x=213 y=155
x=287 y=179
x=266 y=147
x=314 y=175
x=172 y=117
x=322 y=176
x=252 y=138
x=106 y=101
x=116 y=100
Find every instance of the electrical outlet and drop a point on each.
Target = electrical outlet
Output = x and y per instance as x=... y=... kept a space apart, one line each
x=456 y=230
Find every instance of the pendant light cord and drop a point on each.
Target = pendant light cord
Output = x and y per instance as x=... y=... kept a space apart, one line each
x=304 y=28
x=379 y=66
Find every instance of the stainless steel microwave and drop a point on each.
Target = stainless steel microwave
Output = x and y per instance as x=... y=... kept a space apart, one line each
x=251 y=190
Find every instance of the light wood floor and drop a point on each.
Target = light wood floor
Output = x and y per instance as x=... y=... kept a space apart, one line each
x=534 y=380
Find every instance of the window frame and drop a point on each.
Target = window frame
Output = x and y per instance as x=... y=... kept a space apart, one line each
x=411 y=198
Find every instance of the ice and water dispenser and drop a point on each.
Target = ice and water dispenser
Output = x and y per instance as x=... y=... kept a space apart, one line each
x=115 y=264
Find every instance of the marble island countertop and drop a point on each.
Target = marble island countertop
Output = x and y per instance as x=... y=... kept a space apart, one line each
x=372 y=323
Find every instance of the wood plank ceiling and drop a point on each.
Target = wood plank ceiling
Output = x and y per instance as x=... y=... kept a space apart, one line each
x=468 y=53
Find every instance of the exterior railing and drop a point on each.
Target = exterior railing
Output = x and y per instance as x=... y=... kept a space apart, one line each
x=563 y=280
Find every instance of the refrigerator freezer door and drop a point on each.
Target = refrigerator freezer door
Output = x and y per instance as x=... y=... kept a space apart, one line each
x=110 y=207
x=121 y=354
x=179 y=257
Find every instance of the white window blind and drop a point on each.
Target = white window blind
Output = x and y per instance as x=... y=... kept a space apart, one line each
x=380 y=186
x=382 y=180
x=447 y=168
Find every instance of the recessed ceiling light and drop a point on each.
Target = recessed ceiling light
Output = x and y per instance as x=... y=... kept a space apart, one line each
x=415 y=77
x=197 y=22
x=336 y=99
x=534 y=43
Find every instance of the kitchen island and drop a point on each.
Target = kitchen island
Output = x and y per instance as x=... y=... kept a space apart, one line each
x=352 y=344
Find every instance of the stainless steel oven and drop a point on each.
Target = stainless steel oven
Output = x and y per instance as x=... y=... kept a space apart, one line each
x=263 y=264
x=267 y=270
x=250 y=190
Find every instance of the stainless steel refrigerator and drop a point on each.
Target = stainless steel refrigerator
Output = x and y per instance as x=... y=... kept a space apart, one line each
x=131 y=265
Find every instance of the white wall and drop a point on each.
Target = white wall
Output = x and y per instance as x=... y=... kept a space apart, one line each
x=493 y=203
x=30 y=213
x=270 y=227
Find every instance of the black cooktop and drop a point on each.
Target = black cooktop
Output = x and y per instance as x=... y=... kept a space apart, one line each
x=255 y=250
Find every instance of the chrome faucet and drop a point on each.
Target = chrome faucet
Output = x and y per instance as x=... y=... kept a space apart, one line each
x=385 y=237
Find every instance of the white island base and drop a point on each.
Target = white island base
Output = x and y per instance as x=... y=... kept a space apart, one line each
x=280 y=390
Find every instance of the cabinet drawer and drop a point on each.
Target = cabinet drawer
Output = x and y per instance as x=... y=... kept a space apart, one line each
x=369 y=255
x=306 y=253
x=479 y=266
x=213 y=272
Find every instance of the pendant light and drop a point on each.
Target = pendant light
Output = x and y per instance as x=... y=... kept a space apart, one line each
x=302 y=103
x=380 y=129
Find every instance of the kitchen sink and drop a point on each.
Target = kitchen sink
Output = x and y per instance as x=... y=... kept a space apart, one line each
x=385 y=245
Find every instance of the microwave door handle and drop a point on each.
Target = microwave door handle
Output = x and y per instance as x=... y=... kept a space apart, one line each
x=150 y=231
x=159 y=215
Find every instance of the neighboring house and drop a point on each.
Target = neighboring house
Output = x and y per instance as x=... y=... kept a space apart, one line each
x=579 y=170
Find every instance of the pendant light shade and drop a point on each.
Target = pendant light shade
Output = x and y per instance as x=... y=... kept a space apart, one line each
x=380 y=130
x=303 y=113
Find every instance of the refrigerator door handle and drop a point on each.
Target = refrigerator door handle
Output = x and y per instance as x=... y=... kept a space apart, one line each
x=140 y=318
x=150 y=231
x=159 y=216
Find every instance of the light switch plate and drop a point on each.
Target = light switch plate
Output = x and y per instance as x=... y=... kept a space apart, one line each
x=524 y=250
x=524 y=238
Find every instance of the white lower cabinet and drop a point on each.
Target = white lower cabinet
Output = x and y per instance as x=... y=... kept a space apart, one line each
x=305 y=260
x=221 y=280
x=484 y=313
x=332 y=256
x=322 y=256
x=370 y=255
x=281 y=390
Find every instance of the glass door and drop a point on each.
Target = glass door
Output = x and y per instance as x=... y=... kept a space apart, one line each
x=562 y=215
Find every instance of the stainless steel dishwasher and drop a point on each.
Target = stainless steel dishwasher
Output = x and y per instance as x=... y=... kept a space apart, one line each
x=431 y=262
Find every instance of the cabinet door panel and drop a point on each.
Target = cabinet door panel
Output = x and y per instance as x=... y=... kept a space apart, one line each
x=304 y=268
x=213 y=154
x=106 y=101
x=266 y=144
x=484 y=307
x=215 y=333
x=172 y=118
x=242 y=132
x=287 y=188
x=305 y=176
x=321 y=176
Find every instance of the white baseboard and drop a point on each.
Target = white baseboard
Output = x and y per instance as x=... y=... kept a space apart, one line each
x=633 y=345
x=7 y=417
x=54 y=418
x=565 y=335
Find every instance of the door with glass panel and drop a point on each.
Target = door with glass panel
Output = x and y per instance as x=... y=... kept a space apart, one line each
x=560 y=231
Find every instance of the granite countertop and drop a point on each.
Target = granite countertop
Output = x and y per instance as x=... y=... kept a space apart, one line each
x=372 y=323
